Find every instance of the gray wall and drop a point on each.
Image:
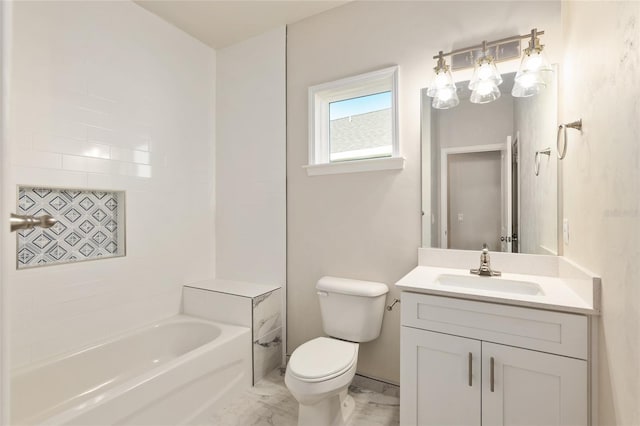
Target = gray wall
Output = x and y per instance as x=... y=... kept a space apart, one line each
x=535 y=121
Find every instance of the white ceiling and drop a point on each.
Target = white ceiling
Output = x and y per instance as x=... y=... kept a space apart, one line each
x=223 y=23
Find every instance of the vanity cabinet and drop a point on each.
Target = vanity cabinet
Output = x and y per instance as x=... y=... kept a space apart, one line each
x=475 y=363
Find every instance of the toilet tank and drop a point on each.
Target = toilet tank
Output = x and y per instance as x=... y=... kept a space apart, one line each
x=351 y=309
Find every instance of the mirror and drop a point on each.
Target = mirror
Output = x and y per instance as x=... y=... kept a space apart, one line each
x=490 y=172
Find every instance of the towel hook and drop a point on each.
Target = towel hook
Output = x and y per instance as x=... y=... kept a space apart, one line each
x=562 y=130
x=536 y=167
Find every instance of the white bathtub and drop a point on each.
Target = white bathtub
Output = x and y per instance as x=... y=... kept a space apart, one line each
x=174 y=372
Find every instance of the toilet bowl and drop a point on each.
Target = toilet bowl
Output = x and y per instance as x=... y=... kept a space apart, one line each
x=318 y=376
x=320 y=371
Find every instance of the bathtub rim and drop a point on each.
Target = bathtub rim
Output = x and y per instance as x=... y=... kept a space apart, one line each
x=180 y=317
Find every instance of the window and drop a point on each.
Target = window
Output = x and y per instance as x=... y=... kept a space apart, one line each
x=353 y=124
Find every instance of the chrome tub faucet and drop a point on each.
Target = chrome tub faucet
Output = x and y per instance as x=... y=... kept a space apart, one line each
x=485 y=265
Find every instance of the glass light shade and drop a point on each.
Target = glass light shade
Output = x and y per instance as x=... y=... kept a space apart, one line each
x=534 y=61
x=442 y=79
x=529 y=84
x=485 y=91
x=485 y=70
x=446 y=98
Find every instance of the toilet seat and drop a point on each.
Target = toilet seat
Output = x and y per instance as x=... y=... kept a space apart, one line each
x=322 y=359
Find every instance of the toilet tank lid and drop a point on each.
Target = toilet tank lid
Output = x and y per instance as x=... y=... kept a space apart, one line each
x=352 y=287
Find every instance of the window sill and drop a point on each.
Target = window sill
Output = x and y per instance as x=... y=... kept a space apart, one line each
x=355 y=166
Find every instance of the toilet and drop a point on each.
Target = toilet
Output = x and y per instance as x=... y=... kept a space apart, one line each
x=320 y=371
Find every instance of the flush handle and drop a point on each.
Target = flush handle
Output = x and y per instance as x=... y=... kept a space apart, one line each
x=18 y=222
x=322 y=293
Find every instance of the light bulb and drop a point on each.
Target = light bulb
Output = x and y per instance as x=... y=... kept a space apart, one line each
x=446 y=98
x=485 y=91
x=445 y=94
x=527 y=80
x=485 y=70
x=534 y=62
x=442 y=79
x=529 y=84
x=484 y=87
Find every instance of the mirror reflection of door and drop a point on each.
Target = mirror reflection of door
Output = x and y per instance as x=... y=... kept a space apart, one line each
x=479 y=197
x=475 y=200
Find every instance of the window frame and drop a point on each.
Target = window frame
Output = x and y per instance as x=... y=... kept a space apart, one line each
x=321 y=95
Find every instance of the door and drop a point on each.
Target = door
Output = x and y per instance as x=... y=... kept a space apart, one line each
x=474 y=200
x=526 y=387
x=440 y=376
x=4 y=238
x=507 y=198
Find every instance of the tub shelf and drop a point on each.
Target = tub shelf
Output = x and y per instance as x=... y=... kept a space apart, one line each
x=258 y=306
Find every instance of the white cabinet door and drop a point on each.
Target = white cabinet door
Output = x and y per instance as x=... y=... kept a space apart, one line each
x=532 y=388
x=440 y=376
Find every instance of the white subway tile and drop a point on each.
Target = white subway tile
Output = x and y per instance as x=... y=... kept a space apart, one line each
x=20 y=301
x=130 y=155
x=21 y=139
x=45 y=160
x=117 y=182
x=62 y=145
x=34 y=176
x=65 y=128
x=138 y=170
x=20 y=354
x=87 y=102
x=69 y=76
x=102 y=135
x=86 y=164
x=118 y=137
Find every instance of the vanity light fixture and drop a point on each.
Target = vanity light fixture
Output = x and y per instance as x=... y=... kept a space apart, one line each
x=442 y=89
x=484 y=83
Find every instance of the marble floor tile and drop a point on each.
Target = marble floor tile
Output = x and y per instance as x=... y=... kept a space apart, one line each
x=269 y=403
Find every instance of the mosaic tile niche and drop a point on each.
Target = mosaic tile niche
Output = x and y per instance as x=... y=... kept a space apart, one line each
x=90 y=226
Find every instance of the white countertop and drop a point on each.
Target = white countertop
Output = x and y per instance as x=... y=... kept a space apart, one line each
x=565 y=286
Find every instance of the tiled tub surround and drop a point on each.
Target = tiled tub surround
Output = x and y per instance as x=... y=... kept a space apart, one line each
x=90 y=225
x=105 y=95
x=258 y=306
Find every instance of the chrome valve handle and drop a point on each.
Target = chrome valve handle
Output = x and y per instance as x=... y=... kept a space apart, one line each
x=18 y=222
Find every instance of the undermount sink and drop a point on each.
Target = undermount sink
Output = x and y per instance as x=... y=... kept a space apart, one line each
x=490 y=284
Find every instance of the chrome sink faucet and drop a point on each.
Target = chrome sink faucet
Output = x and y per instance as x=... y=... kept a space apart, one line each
x=485 y=265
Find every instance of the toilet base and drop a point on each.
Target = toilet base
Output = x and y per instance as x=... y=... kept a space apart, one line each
x=333 y=411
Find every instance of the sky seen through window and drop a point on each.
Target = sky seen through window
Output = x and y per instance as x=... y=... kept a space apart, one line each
x=360 y=105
